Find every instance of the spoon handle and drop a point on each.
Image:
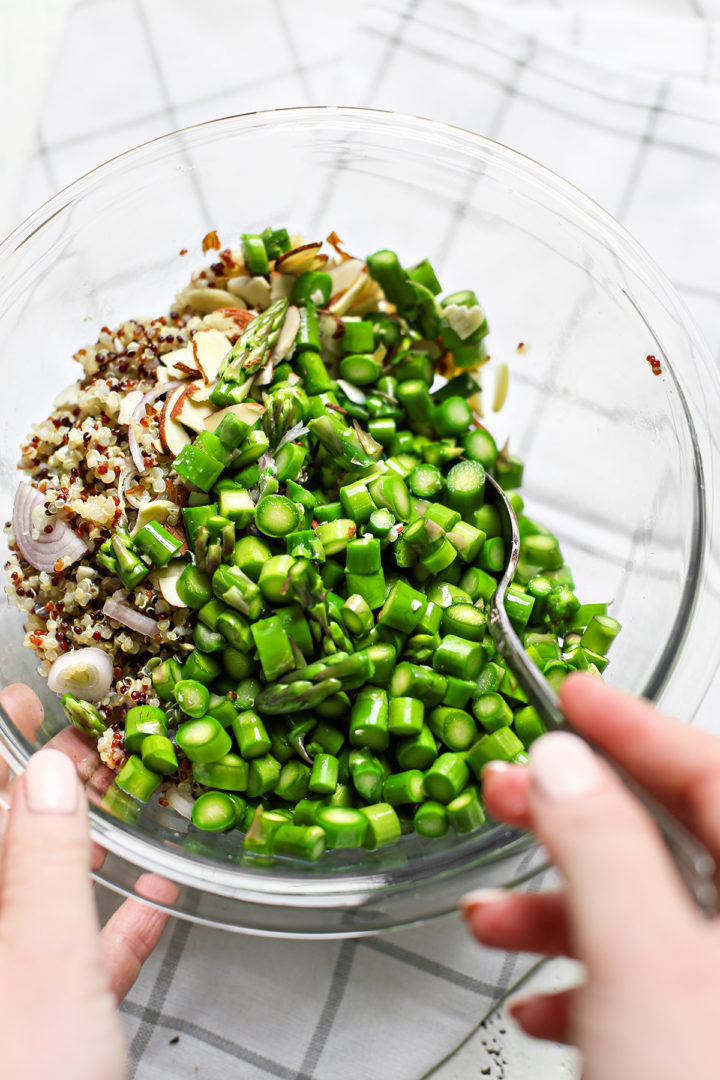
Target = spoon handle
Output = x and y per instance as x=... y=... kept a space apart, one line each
x=694 y=862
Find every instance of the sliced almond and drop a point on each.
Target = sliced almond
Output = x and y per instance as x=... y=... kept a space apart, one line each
x=366 y=298
x=341 y=304
x=229 y=321
x=380 y=354
x=331 y=326
x=127 y=408
x=180 y=362
x=281 y=285
x=166 y=580
x=199 y=390
x=206 y=300
x=172 y=434
x=249 y=411
x=300 y=259
x=69 y=395
x=255 y=291
x=186 y=369
x=210 y=348
x=179 y=533
x=287 y=336
x=264 y=375
x=157 y=510
x=188 y=412
x=463 y=320
x=178 y=398
x=344 y=274
x=334 y=240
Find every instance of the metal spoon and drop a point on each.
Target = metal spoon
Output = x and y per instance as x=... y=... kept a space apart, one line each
x=694 y=862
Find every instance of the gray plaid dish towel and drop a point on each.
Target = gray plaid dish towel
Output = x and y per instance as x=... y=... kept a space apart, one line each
x=625 y=104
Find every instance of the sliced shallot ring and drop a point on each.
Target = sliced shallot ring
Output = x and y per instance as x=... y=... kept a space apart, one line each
x=44 y=551
x=128 y=616
x=69 y=674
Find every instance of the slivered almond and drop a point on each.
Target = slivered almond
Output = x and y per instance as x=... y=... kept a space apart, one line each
x=210 y=348
x=502 y=381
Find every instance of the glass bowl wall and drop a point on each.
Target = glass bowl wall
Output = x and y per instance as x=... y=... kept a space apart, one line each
x=619 y=463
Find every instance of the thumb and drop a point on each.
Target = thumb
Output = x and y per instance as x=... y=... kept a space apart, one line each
x=622 y=889
x=46 y=905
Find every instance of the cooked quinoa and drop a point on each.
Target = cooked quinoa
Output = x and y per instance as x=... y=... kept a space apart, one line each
x=79 y=459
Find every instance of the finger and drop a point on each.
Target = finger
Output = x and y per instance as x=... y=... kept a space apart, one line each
x=46 y=906
x=678 y=765
x=545 y=1016
x=25 y=710
x=505 y=791
x=131 y=934
x=94 y=774
x=623 y=892
x=522 y=922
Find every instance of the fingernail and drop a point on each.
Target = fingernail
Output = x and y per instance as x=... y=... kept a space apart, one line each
x=480 y=897
x=564 y=767
x=51 y=783
x=496 y=767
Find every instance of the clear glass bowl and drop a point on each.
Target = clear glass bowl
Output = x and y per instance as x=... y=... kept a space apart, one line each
x=619 y=462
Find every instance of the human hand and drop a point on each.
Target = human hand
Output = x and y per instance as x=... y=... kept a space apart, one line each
x=649 y=1006
x=61 y=979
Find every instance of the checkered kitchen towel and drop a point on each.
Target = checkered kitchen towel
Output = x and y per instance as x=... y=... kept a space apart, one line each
x=626 y=104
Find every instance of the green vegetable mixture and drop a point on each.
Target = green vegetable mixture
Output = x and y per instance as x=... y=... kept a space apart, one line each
x=342 y=688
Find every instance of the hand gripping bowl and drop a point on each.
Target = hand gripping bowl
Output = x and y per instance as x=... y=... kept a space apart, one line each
x=621 y=464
